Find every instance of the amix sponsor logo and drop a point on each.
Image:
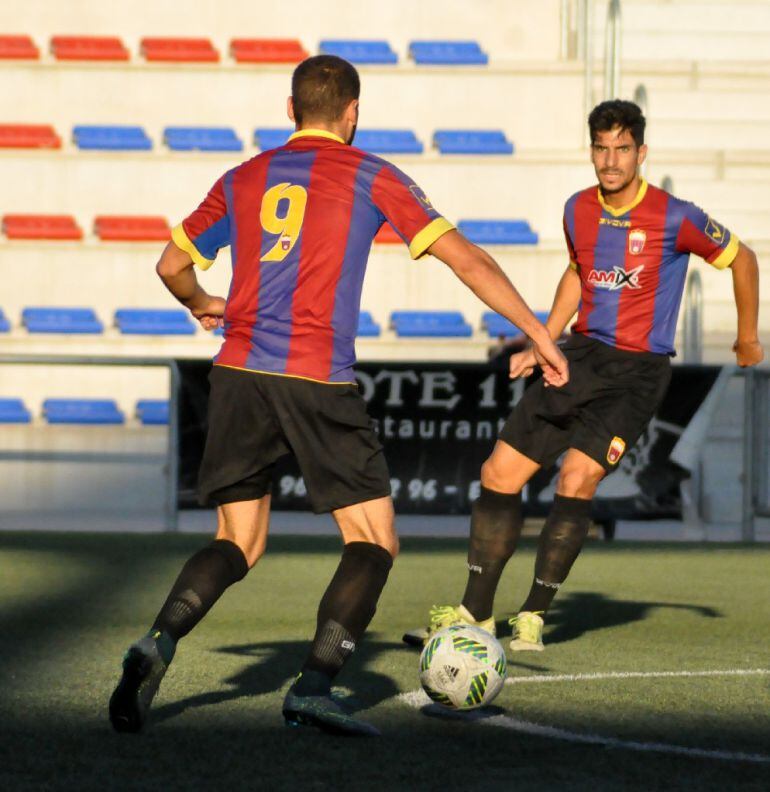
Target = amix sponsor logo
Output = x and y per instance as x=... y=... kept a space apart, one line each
x=616 y=278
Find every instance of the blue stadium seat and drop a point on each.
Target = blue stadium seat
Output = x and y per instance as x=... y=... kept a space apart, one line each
x=154 y=321
x=271 y=137
x=5 y=325
x=367 y=327
x=152 y=412
x=82 y=411
x=472 y=141
x=448 y=53
x=111 y=138
x=202 y=139
x=14 y=411
x=498 y=232
x=440 y=324
x=388 y=141
x=61 y=320
x=497 y=325
x=359 y=50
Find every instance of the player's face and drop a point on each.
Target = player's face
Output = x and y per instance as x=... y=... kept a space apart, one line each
x=616 y=159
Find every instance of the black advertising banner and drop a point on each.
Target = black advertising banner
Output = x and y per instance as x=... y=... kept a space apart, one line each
x=438 y=423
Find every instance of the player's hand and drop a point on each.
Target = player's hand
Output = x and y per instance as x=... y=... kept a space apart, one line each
x=552 y=361
x=211 y=314
x=748 y=353
x=522 y=364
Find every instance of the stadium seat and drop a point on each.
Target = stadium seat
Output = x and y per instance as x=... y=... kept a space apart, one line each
x=89 y=48
x=18 y=48
x=61 y=320
x=41 y=227
x=131 y=229
x=472 y=141
x=497 y=325
x=359 y=50
x=179 y=50
x=387 y=235
x=388 y=141
x=28 y=136
x=271 y=137
x=448 y=53
x=202 y=139
x=152 y=412
x=498 y=232
x=14 y=411
x=82 y=411
x=155 y=321
x=5 y=325
x=440 y=324
x=111 y=138
x=267 y=50
x=367 y=327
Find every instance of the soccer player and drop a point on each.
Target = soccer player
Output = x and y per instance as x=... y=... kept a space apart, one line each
x=300 y=221
x=629 y=244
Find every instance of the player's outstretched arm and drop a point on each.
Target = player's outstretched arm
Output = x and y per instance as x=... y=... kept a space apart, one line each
x=565 y=305
x=176 y=270
x=483 y=276
x=747 y=348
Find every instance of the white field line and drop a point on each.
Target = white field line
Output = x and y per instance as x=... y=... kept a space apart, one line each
x=538 y=678
x=417 y=699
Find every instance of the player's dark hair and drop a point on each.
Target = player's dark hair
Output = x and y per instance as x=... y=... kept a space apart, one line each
x=617 y=113
x=322 y=87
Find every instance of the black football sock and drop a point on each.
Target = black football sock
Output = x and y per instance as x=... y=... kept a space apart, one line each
x=496 y=522
x=559 y=545
x=200 y=584
x=346 y=608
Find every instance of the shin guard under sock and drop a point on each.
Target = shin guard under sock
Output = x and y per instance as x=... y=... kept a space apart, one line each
x=559 y=545
x=495 y=529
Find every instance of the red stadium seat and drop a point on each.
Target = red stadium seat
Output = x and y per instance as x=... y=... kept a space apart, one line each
x=197 y=50
x=267 y=50
x=28 y=136
x=92 y=48
x=18 y=47
x=16 y=226
x=387 y=236
x=131 y=229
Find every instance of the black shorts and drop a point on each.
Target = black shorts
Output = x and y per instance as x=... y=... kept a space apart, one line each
x=254 y=419
x=602 y=411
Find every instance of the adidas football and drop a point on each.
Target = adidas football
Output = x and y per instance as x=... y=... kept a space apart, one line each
x=462 y=667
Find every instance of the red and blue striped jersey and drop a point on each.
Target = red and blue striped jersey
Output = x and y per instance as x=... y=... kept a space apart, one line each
x=632 y=263
x=300 y=221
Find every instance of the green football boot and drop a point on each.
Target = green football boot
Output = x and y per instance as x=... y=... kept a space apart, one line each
x=325 y=713
x=527 y=632
x=143 y=670
x=442 y=616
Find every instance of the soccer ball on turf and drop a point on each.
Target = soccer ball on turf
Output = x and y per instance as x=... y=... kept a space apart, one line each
x=462 y=667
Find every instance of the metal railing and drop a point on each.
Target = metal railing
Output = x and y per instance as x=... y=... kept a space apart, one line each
x=642 y=100
x=613 y=40
x=172 y=462
x=692 y=328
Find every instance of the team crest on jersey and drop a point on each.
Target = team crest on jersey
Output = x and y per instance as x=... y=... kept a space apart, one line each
x=636 y=239
x=616 y=278
x=615 y=451
x=285 y=242
x=420 y=196
x=714 y=231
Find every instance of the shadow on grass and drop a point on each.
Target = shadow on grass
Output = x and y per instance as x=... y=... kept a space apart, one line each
x=276 y=663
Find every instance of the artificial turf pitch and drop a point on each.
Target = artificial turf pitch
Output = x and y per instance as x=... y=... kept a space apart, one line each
x=70 y=604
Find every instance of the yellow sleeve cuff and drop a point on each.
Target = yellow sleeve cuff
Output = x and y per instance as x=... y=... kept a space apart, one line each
x=727 y=256
x=573 y=265
x=182 y=241
x=424 y=239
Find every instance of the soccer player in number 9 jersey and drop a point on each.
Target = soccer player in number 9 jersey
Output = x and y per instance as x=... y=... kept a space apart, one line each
x=300 y=221
x=629 y=245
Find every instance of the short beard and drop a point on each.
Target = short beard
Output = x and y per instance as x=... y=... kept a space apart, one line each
x=605 y=191
x=352 y=135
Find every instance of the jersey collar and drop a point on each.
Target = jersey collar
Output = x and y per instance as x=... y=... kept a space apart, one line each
x=623 y=209
x=322 y=133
